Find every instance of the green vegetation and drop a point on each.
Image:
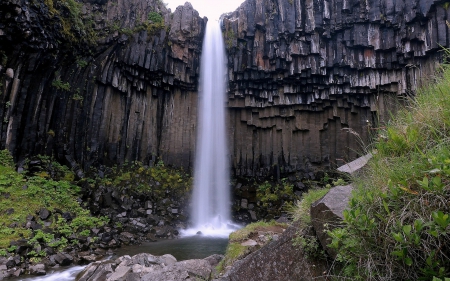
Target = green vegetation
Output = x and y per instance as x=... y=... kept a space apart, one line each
x=3 y=58
x=81 y=63
x=153 y=23
x=270 y=195
x=155 y=18
x=76 y=27
x=398 y=223
x=301 y=211
x=306 y=239
x=230 y=38
x=24 y=195
x=159 y=181
x=235 y=250
x=60 y=85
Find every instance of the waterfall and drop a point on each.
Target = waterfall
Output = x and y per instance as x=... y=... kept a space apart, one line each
x=211 y=198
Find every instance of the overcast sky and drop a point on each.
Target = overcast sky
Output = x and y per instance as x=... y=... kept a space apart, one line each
x=208 y=8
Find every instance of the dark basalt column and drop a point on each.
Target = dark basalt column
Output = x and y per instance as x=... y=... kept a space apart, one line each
x=133 y=97
x=309 y=80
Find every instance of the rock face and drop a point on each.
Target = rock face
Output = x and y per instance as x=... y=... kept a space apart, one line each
x=329 y=211
x=148 y=267
x=303 y=74
x=131 y=96
x=278 y=260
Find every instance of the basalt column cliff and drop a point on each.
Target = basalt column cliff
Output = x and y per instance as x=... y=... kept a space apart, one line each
x=99 y=82
x=102 y=82
x=305 y=76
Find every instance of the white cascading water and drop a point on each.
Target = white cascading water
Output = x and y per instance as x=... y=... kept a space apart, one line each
x=211 y=198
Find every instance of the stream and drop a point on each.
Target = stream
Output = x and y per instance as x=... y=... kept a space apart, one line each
x=192 y=247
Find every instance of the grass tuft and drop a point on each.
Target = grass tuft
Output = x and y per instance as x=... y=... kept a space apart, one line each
x=398 y=223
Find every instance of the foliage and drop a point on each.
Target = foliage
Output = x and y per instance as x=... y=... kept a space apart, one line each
x=269 y=195
x=6 y=159
x=60 y=85
x=77 y=96
x=82 y=63
x=301 y=211
x=3 y=58
x=230 y=38
x=235 y=250
x=27 y=194
x=397 y=226
x=155 y=18
x=159 y=181
x=305 y=238
x=76 y=27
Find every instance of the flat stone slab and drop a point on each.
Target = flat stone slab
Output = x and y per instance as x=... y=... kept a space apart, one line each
x=355 y=165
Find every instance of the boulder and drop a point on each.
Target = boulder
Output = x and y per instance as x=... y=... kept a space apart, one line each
x=97 y=271
x=148 y=267
x=214 y=260
x=44 y=214
x=37 y=269
x=329 y=211
x=277 y=260
x=62 y=258
x=180 y=271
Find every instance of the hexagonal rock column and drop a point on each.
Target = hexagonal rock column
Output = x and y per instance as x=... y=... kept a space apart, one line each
x=329 y=210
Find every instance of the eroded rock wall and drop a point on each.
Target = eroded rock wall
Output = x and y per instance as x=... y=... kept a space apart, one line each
x=130 y=97
x=310 y=79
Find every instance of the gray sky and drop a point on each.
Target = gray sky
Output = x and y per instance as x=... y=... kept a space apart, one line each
x=208 y=8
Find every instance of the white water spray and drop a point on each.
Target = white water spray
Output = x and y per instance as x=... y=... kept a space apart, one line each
x=211 y=198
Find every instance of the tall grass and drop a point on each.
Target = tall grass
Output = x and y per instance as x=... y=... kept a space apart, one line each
x=398 y=224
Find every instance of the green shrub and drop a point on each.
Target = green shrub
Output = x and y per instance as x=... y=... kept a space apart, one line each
x=60 y=85
x=235 y=250
x=28 y=193
x=397 y=226
x=6 y=158
x=155 y=18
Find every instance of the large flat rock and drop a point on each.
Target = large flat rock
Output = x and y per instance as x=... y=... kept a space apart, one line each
x=278 y=260
x=329 y=211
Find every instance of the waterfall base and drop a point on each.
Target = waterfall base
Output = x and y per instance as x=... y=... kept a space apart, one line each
x=216 y=228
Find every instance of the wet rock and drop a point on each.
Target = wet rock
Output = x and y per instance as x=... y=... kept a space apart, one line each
x=10 y=263
x=62 y=258
x=164 y=231
x=96 y=271
x=106 y=237
x=38 y=269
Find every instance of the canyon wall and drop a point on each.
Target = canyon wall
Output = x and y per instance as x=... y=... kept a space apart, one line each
x=131 y=95
x=308 y=79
